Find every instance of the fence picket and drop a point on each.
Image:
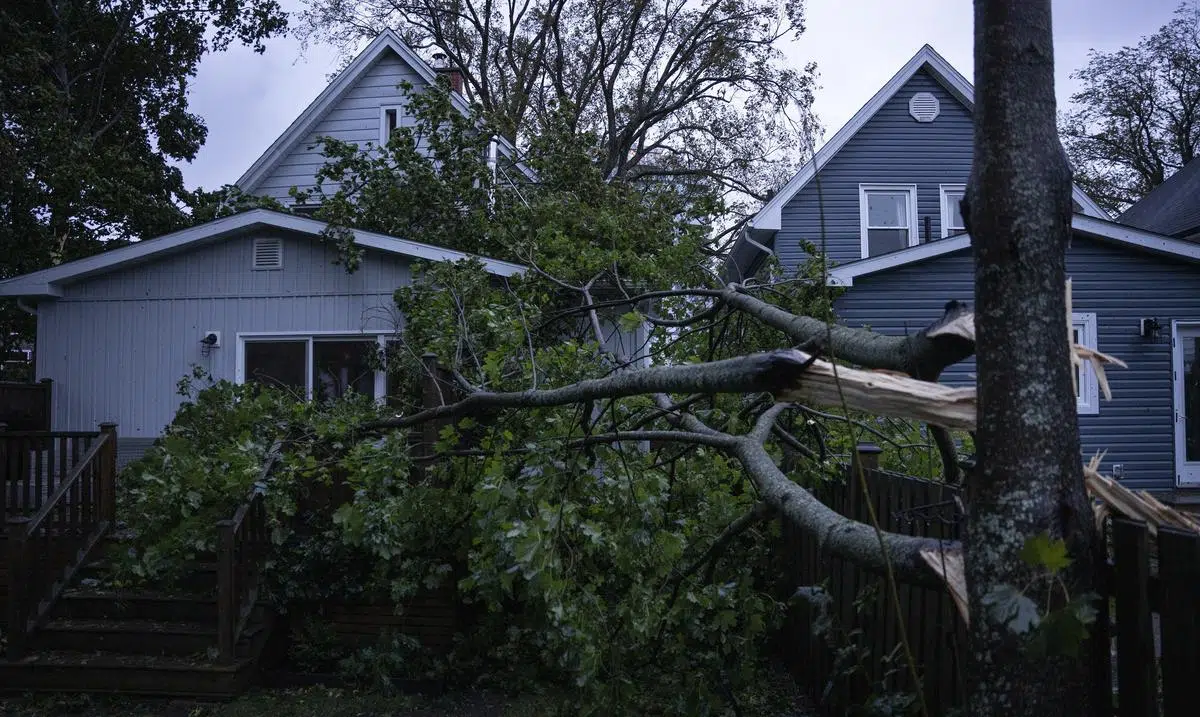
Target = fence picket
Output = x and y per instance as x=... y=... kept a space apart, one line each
x=1179 y=574
x=1135 y=641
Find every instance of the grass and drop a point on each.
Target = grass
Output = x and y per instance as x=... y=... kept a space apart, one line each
x=304 y=702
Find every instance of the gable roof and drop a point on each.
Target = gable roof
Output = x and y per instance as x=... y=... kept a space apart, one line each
x=1094 y=227
x=1171 y=208
x=768 y=219
x=49 y=282
x=387 y=41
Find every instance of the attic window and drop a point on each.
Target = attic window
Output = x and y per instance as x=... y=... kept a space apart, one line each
x=389 y=120
x=268 y=253
x=924 y=107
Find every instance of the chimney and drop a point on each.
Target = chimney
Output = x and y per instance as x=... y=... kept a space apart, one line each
x=442 y=65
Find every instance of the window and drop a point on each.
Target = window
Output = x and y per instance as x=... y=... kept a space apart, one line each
x=1087 y=390
x=268 y=253
x=389 y=120
x=952 y=219
x=889 y=217
x=319 y=367
x=279 y=364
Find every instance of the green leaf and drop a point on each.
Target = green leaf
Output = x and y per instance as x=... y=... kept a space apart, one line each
x=631 y=321
x=1007 y=605
x=1042 y=551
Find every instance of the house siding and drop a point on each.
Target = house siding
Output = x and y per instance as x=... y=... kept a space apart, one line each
x=117 y=344
x=354 y=118
x=1120 y=286
x=891 y=148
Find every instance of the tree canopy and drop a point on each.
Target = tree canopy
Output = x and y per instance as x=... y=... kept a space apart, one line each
x=1136 y=118
x=697 y=92
x=93 y=98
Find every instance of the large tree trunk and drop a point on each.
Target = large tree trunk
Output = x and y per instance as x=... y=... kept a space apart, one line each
x=1029 y=478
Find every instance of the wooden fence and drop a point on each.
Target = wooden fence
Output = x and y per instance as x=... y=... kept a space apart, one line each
x=25 y=406
x=1149 y=619
x=1157 y=619
x=857 y=654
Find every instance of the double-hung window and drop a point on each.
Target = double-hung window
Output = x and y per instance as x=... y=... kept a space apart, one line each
x=1087 y=390
x=888 y=214
x=952 y=218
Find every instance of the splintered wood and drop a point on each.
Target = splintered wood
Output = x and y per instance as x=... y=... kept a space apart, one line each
x=899 y=396
x=1139 y=505
x=883 y=394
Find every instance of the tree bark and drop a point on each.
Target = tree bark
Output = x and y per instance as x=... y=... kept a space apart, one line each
x=1029 y=478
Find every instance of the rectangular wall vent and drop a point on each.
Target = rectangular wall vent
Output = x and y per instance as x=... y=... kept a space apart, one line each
x=268 y=253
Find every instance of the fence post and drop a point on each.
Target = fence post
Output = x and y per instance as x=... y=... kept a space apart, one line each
x=47 y=403
x=3 y=470
x=227 y=607
x=18 y=585
x=1137 y=673
x=866 y=456
x=108 y=473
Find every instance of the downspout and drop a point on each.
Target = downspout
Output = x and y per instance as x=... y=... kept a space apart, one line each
x=24 y=307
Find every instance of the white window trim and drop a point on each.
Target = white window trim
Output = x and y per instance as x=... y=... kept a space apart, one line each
x=1088 y=403
x=383 y=130
x=913 y=237
x=946 y=208
x=239 y=374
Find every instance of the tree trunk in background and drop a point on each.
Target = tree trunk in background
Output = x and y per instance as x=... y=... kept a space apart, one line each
x=1029 y=479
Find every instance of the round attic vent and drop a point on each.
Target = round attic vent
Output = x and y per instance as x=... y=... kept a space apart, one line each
x=924 y=107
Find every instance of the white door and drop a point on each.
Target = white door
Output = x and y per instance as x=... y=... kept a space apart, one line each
x=1185 y=341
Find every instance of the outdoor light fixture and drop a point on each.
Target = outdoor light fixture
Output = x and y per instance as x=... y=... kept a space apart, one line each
x=1148 y=328
x=211 y=340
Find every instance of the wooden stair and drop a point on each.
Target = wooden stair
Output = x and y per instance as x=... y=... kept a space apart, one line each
x=138 y=644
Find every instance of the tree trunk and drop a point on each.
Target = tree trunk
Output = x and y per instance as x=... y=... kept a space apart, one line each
x=1029 y=480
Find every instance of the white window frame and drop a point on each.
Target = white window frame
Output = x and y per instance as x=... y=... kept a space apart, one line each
x=864 y=189
x=943 y=189
x=239 y=376
x=1088 y=401
x=384 y=135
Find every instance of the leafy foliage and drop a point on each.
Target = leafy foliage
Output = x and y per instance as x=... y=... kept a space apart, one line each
x=1052 y=630
x=94 y=108
x=1136 y=120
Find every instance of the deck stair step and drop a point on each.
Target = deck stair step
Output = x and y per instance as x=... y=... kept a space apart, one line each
x=70 y=671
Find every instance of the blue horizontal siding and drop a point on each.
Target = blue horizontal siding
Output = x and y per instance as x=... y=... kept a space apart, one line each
x=891 y=148
x=1120 y=286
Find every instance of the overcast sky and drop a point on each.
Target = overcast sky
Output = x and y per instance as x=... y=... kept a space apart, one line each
x=247 y=100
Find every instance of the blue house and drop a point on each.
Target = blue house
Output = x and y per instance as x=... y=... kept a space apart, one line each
x=881 y=200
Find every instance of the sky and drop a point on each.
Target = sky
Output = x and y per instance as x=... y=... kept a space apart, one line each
x=247 y=100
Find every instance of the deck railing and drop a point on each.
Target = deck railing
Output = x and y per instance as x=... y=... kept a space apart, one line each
x=242 y=543
x=35 y=463
x=46 y=549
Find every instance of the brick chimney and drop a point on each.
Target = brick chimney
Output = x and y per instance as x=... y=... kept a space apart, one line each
x=443 y=66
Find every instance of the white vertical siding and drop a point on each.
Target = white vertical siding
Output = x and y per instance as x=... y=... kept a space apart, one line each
x=117 y=344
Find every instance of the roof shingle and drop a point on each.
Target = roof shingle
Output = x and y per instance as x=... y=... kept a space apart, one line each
x=1172 y=208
